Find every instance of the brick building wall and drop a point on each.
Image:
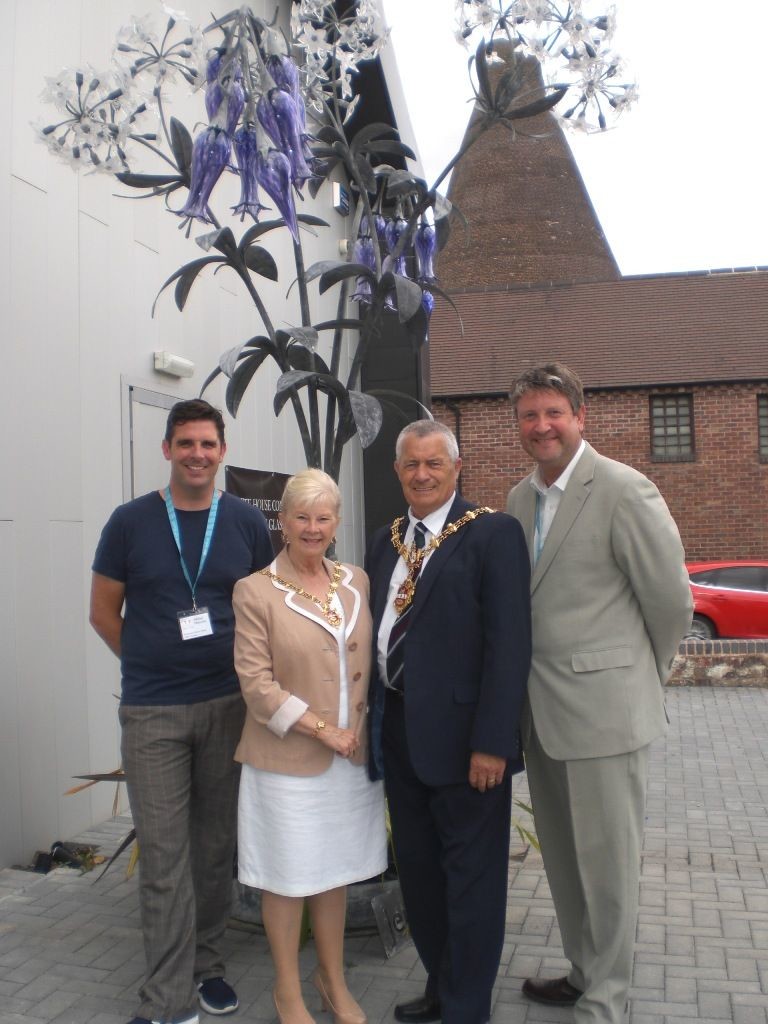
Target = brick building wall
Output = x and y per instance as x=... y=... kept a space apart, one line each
x=719 y=500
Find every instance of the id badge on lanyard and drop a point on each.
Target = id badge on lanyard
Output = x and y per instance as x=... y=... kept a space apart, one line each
x=194 y=622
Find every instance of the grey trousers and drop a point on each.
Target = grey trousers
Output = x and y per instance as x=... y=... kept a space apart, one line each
x=589 y=817
x=182 y=784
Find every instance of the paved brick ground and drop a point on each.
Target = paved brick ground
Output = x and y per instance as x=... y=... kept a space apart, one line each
x=70 y=948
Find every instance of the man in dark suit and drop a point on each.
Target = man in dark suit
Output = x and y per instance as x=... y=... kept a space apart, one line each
x=451 y=611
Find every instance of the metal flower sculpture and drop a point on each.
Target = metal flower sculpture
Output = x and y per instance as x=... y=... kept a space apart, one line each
x=280 y=114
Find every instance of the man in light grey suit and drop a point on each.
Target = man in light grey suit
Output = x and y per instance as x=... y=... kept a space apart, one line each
x=610 y=602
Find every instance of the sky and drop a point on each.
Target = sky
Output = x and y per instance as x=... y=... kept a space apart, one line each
x=680 y=183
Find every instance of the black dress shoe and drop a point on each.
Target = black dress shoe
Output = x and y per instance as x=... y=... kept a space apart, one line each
x=418 y=1011
x=551 y=991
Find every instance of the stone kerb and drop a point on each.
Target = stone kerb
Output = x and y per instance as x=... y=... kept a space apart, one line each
x=721 y=663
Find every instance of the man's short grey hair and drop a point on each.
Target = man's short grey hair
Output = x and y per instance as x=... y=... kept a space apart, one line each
x=310 y=487
x=426 y=428
x=549 y=377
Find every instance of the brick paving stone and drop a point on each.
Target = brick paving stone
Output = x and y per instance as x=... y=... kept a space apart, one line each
x=749 y=1015
x=71 y=951
x=679 y=989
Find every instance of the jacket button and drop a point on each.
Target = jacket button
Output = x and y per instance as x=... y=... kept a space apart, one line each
x=356 y=676
x=352 y=646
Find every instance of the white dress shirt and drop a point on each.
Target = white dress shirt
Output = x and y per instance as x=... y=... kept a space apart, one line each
x=433 y=523
x=548 y=500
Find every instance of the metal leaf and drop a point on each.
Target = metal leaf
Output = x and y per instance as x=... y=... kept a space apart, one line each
x=341 y=324
x=369 y=132
x=147 y=180
x=416 y=328
x=344 y=271
x=437 y=290
x=210 y=379
x=368 y=416
x=260 y=262
x=321 y=267
x=538 y=106
x=306 y=336
x=483 y=77
x=309 y=218
x=300 y=358
x=203 y=261
x=181 y=145
x=289 y=382
x=228 y=360
x=390 y=146
x=185 y=282
x=257 y=230
x=222 y=239
x=365 y=171
x=408 y=297
x=401 y=183
x=241 y=378
x=426 y=413
x=507 y=89
x=329 y=135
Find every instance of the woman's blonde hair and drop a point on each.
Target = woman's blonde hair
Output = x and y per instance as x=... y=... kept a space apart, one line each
x=309 y=487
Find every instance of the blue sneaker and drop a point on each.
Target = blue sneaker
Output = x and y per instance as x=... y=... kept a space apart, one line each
x=216 y=996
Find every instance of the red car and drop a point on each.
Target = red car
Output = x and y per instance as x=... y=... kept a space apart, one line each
x=730 y=599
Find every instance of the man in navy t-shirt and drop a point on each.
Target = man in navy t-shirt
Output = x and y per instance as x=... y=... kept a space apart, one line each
x=170 y=559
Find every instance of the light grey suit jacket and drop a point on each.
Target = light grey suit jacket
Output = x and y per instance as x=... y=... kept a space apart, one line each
x=610 y=602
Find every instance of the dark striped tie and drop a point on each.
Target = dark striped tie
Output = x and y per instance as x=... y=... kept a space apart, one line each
x=396 y=646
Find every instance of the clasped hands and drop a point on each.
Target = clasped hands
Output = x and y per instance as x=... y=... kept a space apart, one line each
x=486 y=770
x=342 y=741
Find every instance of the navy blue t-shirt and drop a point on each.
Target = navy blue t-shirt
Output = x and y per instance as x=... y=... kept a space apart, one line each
x=137 y=548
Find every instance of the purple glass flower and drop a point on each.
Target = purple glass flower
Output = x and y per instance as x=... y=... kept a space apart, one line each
x=213 y=93
x=267 y=119
x=425 y=244
x=280 y=118
x=363 y=253
x=273 y=172
x=393 y=233
x=285 y=75
x=234 y=95
x=380 y=227
x=427 y=303
x=380 y=224
x=246 y=151
x=210 y=155
x=230 y=91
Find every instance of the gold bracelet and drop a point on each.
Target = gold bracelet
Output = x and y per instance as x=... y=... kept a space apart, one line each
x=319 y=724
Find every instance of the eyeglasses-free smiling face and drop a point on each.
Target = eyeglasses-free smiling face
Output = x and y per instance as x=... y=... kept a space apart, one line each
x=550 y=431
x=426 y=473
x=195 y=453
x=309 y=529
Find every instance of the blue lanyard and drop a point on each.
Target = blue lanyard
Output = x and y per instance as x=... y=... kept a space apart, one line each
x=206 y=539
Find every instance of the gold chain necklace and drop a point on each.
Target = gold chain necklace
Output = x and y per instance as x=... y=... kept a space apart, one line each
x=331 y=616
x=413 y=556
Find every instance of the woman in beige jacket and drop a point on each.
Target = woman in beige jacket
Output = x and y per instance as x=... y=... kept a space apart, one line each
x=310 y=821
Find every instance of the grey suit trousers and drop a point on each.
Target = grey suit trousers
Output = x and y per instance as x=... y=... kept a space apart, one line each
x=182 y=784
x=589 y=816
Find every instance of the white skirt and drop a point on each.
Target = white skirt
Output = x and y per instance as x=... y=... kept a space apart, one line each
x=301 y=835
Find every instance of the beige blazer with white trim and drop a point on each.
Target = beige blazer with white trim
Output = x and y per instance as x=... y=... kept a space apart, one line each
x=284 y=647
